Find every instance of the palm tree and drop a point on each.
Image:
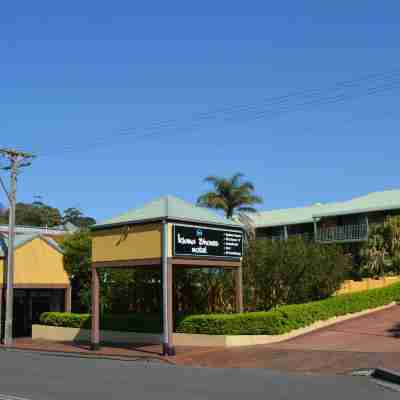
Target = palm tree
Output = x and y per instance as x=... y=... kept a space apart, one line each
x=230 y=195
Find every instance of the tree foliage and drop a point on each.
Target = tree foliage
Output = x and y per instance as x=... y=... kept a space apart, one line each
x=41 y=214
x=77 y=263
x=75 y=216
x=230 y=195
x=380 y=254
x=37 y=214
x=289 y=272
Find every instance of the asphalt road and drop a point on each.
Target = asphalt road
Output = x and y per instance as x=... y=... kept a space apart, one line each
x=42 y=377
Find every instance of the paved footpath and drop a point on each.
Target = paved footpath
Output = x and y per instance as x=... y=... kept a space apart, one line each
x=370 y=341
x=33 y=376
x=365 y=342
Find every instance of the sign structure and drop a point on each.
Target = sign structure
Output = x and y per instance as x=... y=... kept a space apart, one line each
x=207 y=242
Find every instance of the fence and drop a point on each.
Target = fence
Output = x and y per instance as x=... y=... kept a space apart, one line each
x=366 y=284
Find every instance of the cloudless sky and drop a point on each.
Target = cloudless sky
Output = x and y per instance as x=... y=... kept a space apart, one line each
x=115 y=99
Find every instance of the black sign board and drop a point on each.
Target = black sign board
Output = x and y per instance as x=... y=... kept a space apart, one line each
x=207 y=242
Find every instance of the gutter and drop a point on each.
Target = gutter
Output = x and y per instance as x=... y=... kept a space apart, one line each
x=160 y=220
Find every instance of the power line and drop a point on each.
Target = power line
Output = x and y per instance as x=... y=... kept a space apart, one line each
x=339 y=98
x=269 y=108
x=277 y=100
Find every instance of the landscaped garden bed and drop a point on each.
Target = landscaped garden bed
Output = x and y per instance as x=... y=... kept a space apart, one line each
x=287 y=318
x=276 y=322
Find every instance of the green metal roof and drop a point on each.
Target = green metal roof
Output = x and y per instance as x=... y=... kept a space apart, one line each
x=377 y=201
x=21 y=240
x=288 y=216
x=172 y=208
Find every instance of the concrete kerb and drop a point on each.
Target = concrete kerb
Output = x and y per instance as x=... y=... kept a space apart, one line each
x=76 y=354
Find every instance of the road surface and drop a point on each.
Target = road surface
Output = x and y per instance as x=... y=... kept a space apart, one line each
x=47 y=377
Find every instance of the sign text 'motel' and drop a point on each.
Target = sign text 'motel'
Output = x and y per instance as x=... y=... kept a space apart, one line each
x=198 y=241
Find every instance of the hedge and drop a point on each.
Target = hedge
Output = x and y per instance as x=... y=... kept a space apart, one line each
x=146 y=323
x=281 y=320
x=287 y=318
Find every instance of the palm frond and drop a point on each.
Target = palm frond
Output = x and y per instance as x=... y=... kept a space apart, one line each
x=236 y=179
x=212 y=200
x=212 y=179
x=230 y=194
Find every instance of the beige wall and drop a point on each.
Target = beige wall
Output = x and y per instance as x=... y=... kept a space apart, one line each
x=366 y=284
x=37 y=262
x=127 y=243
x=61 y=334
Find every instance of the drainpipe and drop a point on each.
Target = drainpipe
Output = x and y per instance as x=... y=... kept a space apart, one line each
x=315 y=220
x=285 y=233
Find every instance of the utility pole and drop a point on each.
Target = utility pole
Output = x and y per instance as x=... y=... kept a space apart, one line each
x=17 y=160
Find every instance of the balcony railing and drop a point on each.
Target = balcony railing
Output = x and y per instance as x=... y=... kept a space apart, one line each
x=343 y=233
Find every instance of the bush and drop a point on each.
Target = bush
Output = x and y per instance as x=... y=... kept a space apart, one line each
x=287 y=318
x=291 y=272
x=281 y=320
x=146 y=323
x=69 y=320
x=380 y=254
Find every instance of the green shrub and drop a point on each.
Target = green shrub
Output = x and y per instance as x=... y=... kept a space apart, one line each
x=278 y=321
x=291 y=272
x=147 y=323
x=380 y=254
x=69 y=320
x=286 y=318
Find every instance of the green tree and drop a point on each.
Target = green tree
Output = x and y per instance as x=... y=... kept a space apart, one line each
x=293 y=271
x=76 y=217
x=77 y=262
x=230 y=195
x=36 y=214
x=380 y=254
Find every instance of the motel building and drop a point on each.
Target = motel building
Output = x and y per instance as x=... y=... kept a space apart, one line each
x=165 y=234
x=40 y=281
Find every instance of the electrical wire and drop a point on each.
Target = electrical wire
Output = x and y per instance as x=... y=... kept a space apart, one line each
x=270 y=108
x=258 y=115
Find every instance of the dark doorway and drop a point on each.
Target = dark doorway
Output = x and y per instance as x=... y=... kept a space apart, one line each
x=30 y=304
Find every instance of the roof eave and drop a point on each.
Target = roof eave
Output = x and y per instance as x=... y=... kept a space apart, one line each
x=161 y=219
x=359 y=211
x=297 y=222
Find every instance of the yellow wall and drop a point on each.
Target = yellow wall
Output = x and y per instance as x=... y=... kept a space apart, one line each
x=37 y=262
x=127 y=243
x=366 y=284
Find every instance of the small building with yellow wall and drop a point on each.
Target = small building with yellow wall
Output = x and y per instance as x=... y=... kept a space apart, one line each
x=40 y=281
x=166 y=234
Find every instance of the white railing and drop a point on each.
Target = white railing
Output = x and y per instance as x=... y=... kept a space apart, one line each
x=343 y=233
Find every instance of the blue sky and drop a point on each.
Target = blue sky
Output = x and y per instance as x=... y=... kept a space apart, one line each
x=125 y=102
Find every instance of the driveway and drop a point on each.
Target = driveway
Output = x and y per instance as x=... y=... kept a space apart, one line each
x=365 y=342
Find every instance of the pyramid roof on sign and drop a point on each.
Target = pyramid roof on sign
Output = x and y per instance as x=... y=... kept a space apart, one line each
x=170 y=208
